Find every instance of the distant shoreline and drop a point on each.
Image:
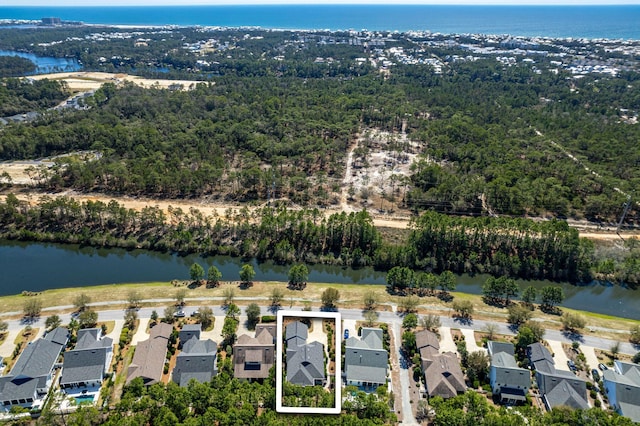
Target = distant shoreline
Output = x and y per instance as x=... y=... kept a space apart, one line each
x=553 y=21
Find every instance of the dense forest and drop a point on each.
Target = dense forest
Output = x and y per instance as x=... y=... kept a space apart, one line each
x=520 y=248
x=20 y=96
x=493 y=138
x=15 y=66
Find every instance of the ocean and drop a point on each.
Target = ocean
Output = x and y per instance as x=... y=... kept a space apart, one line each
x=613 y=22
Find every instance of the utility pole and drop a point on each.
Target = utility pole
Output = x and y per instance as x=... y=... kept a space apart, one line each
x=626 y=205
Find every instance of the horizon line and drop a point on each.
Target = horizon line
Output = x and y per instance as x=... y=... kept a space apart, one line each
x=155 y=3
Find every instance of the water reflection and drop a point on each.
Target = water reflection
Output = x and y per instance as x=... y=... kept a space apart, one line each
x=46 y=64
x=41 y=266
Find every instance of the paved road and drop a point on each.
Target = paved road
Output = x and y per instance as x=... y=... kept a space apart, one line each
x=405 y=383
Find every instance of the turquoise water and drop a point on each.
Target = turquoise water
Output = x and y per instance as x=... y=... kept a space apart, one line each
x=621 y=21
x=86 y=399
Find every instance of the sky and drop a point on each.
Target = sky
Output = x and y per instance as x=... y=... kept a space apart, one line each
x=53 y=3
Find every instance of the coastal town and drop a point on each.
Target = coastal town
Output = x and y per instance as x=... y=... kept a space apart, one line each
x=463 y=271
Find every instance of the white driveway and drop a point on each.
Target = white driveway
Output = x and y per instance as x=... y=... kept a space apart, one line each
x=141 y=333
x=446 y=341
x=7 y=347
x=318 y=334
x=590 y=355
x=216 y=333
x=117 y=329
x=470 y=338
x=559 y=356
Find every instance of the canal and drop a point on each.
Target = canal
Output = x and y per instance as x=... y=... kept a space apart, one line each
x=39 y=266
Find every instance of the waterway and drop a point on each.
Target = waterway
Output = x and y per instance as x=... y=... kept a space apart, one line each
x=38 y=266
x=46 y=64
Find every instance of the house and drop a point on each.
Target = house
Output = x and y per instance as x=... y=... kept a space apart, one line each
x=557 y=387
x=253 y=357
x=622 y=384
x=187 y=332
x=87 y=364
x=366 y=360
x=150 y=356
x=540 y=358
x=507 y=380
x=305 y=361
x=28 y=382
x=442 y=372
x=196 y=361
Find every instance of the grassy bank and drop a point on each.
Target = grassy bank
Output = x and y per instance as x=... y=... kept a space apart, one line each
x=351 y=296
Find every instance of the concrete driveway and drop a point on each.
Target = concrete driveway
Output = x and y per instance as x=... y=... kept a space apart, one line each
x=117 y=329
x=141 y=333
x=349 y=324
x=470 y=338
x=216 y=333
x=7 y=347
x=590 y=355
x=559 y=356
x=446 y=341
x=318 y=334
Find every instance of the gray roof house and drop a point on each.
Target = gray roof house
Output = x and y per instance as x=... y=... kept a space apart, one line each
x=443 y=375
x=557 y=387
x=540 y=358
x=30 y=378
x=188 y=331
x=305 y=361
x=88 y=362
x=366 y=360
x=150 y=355
x=622 y=384
x=507 y=379
x=253 y=357
x=196 y=361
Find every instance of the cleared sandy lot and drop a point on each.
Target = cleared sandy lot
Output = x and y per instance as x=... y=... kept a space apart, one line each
x=83 y=81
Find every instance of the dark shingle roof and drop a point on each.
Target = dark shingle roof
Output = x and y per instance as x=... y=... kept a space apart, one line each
x=296 y=329
x=59 y=335
x=196 y=361
x=305 y=363
x=365 y=359
x=37 y=359
x=494 y=348
x=83 y=366
x=563 y=388
x=540 y=358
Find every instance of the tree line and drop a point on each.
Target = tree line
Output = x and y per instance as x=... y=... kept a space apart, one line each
x=437 y=244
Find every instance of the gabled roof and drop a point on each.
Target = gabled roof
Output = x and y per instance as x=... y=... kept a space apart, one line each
x=89 y=338
x=305 y=364
x=443 y=375
x=192 y=327
x=83 y=366
x=626 y=379
x=296 y=329
x=59 y=335
x=540 y=358
x=263 y=329
x=37 y=359
x=494 y=348
x=149 y=357
x=13 y=388
x=563 y=388
x=195 y=346
x=426 y=338
x=365 y=359
x=507 y=372
x=372 y=337
x=253 y=357
x=196 y=361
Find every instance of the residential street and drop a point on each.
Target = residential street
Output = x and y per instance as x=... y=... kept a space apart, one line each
x=349 y=316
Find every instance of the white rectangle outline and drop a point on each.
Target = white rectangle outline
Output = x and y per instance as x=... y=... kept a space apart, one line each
x=338 y=363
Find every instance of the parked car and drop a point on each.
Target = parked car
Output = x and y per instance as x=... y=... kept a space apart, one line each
x=179 y=314
x=346 y=334
x=572 y=365
x=595 y=375
x=195 y=313
x=602 y=367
